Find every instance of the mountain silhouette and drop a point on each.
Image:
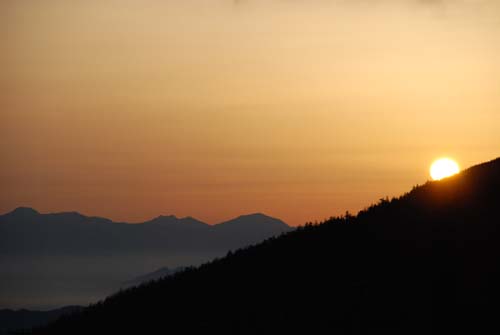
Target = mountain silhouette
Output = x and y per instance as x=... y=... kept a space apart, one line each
x=426 y=262
x=26 y=231
x=58 y=259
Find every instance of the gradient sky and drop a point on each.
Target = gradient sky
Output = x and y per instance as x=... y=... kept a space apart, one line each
x=213 y=108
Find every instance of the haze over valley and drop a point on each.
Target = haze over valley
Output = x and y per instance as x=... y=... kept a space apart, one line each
x=54 y=260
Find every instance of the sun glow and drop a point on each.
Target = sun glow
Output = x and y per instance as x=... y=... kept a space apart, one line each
x=444 y=167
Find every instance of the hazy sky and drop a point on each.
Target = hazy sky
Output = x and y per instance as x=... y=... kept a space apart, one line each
x=300 y=109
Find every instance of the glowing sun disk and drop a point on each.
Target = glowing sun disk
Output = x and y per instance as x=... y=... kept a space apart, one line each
x=444 y=167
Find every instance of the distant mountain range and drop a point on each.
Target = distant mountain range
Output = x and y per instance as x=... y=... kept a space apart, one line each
x=52 y=260
x=25 y=231
x=427 y=262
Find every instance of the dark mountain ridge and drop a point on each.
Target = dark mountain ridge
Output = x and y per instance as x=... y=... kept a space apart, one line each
x=25 y=230
x=426 y=262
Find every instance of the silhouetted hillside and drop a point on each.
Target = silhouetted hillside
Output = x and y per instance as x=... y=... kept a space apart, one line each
x=427 y=262
x=53 y=260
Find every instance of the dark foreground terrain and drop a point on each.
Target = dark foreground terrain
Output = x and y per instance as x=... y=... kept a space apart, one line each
x=427 y=262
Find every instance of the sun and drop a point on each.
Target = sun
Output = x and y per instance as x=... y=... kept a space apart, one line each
x=444 y=167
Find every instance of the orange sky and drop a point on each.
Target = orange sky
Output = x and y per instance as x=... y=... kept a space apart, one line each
x=213 y=108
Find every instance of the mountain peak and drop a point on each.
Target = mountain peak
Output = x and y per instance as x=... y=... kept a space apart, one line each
x=23 y=211
x=172 y=219
x=256 y=216
x=253 y=220
x=192 y=220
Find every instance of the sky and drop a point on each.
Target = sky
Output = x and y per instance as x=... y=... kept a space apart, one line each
x=129 y=109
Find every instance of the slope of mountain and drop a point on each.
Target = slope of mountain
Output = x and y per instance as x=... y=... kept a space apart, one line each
x=52 y=260
x=11 y=321
x=427 y=262
x=155 y=275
